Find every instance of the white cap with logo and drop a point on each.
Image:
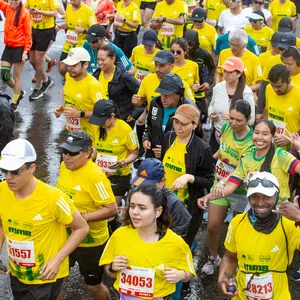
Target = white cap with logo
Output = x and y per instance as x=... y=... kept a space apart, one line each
x=77 y=55
x=264 y=183
x=16 y=153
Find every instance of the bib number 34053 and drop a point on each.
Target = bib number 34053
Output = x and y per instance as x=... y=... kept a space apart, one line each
x=137 y=281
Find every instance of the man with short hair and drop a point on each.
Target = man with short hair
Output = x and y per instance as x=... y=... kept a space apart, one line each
x=81 y=92
x=91 y=193
x=161 y=109
x=256 y=234
x=291 y=59
x=95 y=40
x=33 y=218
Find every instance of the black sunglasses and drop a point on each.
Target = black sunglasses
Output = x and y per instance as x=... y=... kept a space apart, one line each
x=264 y=182
x=253 y=21
x=258 y=2
x=65 y=152
x=15 y=172
x=178 y=52
x=95 y=41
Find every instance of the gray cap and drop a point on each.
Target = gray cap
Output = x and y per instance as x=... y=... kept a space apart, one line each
x=285 y=25
x=76 y=141
x=169 y=84
x=286 y=40
x=164 y=56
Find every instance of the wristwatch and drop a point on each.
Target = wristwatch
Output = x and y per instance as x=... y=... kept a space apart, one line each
x=110 y=269
x=82 y=114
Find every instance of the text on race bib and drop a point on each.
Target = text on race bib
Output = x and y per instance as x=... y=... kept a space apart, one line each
x=72 y=37
x=260 y=287
x=73 y=124
x=167 y=29
x=105 y=161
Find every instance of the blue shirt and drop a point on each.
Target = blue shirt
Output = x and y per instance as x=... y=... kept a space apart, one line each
x=223 y=43
x=167 y=112
x=121 y=57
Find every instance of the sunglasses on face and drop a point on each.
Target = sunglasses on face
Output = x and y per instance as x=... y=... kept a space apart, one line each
x=95 y=41
x=13 y=173
x=199 y=21
x=264 y=182
x=258 y=3
x=236 y=1
x=65 y=152
x=178 y=52
x=253 y=21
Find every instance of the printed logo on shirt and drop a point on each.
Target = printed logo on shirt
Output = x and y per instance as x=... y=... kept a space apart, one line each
x=78 y=95
x=154 y=111
x=115 y=141
x=290 y=108
x=38 y=217
x=160 y=267
x=78 y=188
x=275 y=249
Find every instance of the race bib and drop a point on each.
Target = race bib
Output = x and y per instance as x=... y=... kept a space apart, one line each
x=118 y=21
x=136 y=281
x=21 y=253
x=211 y=22
x=73 y=124
x=223 y=170
x=167 y=29
x=72 y=37
x=141 y=75
x=260 y=287
x=37 y=18
x=280 y=127
x=105 y=161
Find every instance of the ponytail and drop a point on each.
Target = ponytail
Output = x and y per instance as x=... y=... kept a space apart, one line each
x=18 y=13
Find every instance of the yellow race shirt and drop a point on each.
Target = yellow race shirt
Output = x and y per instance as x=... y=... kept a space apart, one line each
x=170 y=31
x=83 y=17
x=120 y=140
x=143 y=63
x=39 y=21
x=262 y=253
x=130 y=13
x=105 y=81
x=271 y=61
x=262 y=37
x=174 y=165
x=263 y=57
x=89 y=190
x=213 y=11
x=34 y=228
x=147 y=261
x=150 y=84
x=207 y=36
x=283 y=164
x=279 y=11
x=284 y=110
x=251 y=62
x=295 y=79
x=83 y=95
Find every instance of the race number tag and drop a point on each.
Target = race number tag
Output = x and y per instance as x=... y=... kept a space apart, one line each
x=21 y=253
x=72 y=37
x=141 y=75
x=105 y=161
x=118 y=21
x=280 y=127
x=73 y=124
x=260 y=287
x=211 y=22
x=37 y=18
x=223 y=170
x=137 y=281
x=167 y=29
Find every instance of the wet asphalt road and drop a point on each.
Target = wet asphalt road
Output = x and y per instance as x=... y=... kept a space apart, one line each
x=36 y=122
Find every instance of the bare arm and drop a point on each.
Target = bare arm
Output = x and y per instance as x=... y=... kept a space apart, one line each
x=104 y=213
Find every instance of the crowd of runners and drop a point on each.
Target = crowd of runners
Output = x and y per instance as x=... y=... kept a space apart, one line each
x=138 y=167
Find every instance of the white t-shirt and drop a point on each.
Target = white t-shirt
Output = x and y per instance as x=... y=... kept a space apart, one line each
x=230 y=21
x=248 y=11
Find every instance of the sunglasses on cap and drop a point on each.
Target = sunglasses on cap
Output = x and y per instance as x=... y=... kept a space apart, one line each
x=178 y=52
x=258 y=2
x=65 y=152
x=264 y=182
x=15 y=172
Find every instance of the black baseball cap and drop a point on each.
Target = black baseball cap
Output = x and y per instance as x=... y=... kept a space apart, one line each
x=164 y=56
x=102 y=110
x=285 y=25
x=169 y=84
x=286 y=40
x=276 y=38
x=95 y=32
x=198 y=14
x=149 y=38
x=76 y=141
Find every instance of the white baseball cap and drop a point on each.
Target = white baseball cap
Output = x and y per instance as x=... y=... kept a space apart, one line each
x=264 y=183
x=77 y=55
x=16 y=153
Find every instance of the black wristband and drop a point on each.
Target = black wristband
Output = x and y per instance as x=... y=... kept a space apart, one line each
x=164 y=19
x=82 y=114
x=110 y=269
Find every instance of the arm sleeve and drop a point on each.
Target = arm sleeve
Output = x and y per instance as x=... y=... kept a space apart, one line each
x=63 y=209
x=132 y=141
x=261 y=102
x=209 y=62
x=27 y=32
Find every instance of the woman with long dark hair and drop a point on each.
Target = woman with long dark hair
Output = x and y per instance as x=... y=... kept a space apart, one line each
x=156 y=258
x=17 y=40
x=225 y=93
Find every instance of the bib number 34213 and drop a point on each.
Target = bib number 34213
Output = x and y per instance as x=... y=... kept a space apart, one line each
x=137 y=281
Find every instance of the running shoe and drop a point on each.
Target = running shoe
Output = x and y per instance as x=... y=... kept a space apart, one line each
x=33 y=80
x=46 y=85
x=211 y=265
x=36 y=94
x=296 y=275
x=15 y=105
x=51 y=63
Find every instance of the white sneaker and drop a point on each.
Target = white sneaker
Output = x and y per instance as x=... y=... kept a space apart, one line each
x=211 y=265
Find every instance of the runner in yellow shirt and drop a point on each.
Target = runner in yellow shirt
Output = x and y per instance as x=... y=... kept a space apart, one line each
x=147 y=9
x=91 y=193
x=213 y=11
x=33 y=216
x=155 y=260
x=79 y=18
x=207 y=33
x=291 y=59
x=280 y=9
x=169 y=16
x=81 y=92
